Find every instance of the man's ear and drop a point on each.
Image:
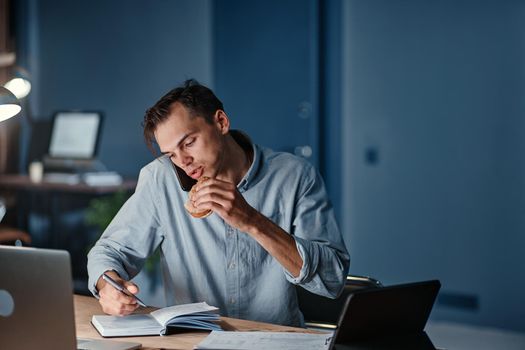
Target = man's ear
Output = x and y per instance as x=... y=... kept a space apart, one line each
x=222 y=121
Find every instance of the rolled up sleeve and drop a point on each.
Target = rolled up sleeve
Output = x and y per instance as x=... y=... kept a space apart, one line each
x=318 y=240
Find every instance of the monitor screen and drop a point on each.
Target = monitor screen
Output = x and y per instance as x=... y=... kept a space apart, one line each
x=75 y=135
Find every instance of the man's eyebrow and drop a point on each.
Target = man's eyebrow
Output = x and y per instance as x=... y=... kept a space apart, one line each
x=184 y=137
x=181 y=140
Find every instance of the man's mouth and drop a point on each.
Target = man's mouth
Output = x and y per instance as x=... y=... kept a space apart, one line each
x=196 y=173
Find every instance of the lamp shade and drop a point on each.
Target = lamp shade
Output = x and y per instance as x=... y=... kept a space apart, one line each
x=20 y=87
x=20 y=84
x=9 y=104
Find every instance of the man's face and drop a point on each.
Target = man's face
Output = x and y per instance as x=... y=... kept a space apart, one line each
x=191 y=143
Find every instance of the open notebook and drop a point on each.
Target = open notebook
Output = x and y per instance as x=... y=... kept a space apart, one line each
x=195 y=316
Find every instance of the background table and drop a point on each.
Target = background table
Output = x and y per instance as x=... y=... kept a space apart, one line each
x=55 y=195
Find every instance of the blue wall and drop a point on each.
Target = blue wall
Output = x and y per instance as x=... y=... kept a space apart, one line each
x=117 y=56
x=436 y=89
x=266 y=70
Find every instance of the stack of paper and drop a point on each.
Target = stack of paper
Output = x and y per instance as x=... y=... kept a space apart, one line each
x=265 y=340
x=102 y=178
x=62 y=178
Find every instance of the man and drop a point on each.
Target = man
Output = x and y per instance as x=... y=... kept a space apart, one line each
x=272 y=225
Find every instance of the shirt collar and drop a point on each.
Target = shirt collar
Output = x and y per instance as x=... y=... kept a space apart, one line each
x=245 y=142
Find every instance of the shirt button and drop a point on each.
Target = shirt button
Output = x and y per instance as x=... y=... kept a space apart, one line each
x=232 y=301
x=231 y=266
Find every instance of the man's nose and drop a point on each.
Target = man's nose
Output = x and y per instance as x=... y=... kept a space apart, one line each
x=185 y=160
x=182 y=159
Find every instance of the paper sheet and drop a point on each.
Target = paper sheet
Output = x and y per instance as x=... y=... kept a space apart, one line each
x=265 y=340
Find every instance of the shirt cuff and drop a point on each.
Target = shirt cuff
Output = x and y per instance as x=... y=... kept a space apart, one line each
x=96 y=276
x=303 y=274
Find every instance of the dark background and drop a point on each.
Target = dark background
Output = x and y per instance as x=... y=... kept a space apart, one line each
x=413 y=110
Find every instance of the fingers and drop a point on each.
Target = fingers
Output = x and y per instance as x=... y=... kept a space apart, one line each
x=131 y=287
x=216 y=191
x=222 y=199
x=225 y=200
x=117 y=303
x=212 y=182
x=216 y=203
x=226 y=190
x=111 y=294
x=112 y=307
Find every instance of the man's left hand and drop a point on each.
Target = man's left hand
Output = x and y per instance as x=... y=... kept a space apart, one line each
x=224 y=199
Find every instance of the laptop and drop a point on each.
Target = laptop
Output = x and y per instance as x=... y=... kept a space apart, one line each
x=392 y=317
x=36 y=302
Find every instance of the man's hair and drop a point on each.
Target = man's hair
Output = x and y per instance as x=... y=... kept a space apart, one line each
x=199 y=100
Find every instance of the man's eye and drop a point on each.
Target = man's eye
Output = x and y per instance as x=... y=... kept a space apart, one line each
x=189 y=143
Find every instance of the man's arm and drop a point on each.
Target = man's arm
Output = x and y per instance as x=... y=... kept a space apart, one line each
x=327 y=261
x=276 y=241
x=123 y=248
x=224 y=199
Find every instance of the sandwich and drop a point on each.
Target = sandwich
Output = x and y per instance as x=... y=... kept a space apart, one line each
x=196 y=213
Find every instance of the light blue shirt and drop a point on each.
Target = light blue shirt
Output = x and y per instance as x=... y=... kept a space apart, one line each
x=208 y=260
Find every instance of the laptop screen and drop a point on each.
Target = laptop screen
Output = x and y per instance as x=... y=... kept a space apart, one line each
x=75 y=135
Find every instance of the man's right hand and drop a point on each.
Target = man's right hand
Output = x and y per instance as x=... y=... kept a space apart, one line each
x=114 y=302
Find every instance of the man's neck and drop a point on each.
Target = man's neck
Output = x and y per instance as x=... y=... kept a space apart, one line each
x=236 y=162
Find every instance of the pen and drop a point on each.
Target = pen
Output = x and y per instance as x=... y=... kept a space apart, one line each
x=121 y=289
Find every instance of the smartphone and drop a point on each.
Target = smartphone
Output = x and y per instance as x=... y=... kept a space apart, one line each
x=185 y=182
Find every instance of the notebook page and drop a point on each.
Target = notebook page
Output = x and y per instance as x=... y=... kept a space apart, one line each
x=164 y=315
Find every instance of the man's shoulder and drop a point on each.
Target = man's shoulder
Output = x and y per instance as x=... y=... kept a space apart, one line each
x=286 y=167
x=285 y=160
x=158 y=168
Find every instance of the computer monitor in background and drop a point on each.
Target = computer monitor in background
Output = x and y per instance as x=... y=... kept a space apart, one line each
x=75 y=135
x=73 y=141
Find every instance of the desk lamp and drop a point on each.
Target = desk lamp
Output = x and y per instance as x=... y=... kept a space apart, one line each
x=9 y=107
x=9 y=104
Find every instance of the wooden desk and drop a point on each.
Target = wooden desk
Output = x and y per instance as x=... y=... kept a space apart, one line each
x=85 y=307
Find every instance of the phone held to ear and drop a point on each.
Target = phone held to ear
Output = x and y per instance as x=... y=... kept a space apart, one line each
x=186 y=182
